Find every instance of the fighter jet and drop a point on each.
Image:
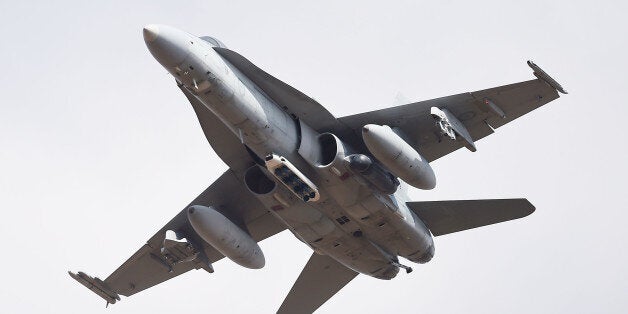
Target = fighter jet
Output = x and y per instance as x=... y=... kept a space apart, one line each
x=337 y=184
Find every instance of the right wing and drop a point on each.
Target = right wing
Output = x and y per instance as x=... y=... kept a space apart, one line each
x=443 y=217
x=321 y=278
x=161 y=259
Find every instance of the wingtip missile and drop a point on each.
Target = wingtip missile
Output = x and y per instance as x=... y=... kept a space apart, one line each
x=542 y=75
x=97 y=286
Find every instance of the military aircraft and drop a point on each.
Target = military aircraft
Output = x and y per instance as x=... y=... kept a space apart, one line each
x=338 y=184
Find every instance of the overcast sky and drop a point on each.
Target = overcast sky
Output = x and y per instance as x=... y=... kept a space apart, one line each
x=99 y=148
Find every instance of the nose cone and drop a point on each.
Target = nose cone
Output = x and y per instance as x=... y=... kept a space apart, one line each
x=168 y=45
x=150 y=33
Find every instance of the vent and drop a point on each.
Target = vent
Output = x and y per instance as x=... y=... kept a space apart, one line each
x=343 y=220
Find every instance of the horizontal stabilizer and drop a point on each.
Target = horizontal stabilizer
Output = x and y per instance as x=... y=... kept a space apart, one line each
x=443 y=217
x=97 y=286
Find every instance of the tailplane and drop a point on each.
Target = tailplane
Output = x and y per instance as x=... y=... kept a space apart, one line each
x=443 y=217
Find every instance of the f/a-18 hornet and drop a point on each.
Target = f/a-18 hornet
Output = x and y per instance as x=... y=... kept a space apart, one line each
x=338 y=184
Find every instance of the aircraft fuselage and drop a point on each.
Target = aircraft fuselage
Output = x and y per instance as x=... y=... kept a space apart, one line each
x=350 y=221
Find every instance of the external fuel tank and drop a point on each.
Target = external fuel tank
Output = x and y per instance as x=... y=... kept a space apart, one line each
x=398 y=156
x=226 y=237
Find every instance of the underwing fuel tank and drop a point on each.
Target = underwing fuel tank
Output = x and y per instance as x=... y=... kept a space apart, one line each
x=226 y=237
x=398 y=156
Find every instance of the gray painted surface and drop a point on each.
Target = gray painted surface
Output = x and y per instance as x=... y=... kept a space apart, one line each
x=312 y=191
x=320 y=271
x=94 y=161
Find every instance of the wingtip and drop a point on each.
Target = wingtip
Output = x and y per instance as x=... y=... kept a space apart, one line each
x=530 y=207
x=542 y=75
x=97 y=286
x=74 y=276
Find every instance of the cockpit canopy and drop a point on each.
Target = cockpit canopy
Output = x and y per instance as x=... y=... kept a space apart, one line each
x=213 y=41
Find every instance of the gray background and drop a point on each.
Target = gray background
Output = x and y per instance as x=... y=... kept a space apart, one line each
x=99 y=148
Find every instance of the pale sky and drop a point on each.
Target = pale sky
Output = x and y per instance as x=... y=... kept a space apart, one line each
x=99 y=148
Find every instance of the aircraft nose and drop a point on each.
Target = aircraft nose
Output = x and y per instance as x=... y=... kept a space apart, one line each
x=167 y=44
x=150 y=33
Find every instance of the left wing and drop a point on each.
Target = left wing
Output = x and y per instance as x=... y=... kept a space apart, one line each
x=163 y=258
x=479 y=113
x=321 y=278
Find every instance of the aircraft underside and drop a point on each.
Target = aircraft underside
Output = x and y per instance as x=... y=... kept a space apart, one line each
x=339 y=185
